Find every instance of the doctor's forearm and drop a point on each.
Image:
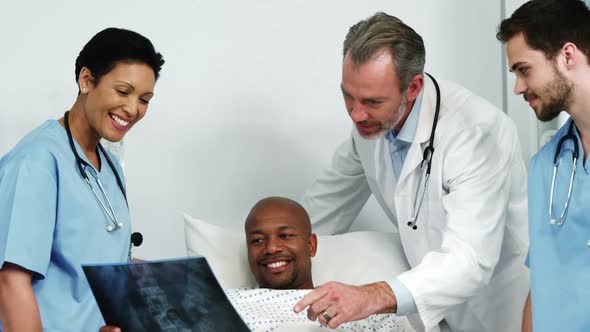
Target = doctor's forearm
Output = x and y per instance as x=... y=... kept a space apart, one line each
x=527 y=319
x=18 y=306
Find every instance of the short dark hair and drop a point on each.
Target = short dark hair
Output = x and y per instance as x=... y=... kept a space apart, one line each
x=385 y=32
x=548 y=24
x=111 y=46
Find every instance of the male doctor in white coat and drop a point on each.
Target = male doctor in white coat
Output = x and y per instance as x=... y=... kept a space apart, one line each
x=468 y=245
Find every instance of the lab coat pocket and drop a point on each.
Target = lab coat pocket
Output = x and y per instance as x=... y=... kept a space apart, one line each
x=428 y=234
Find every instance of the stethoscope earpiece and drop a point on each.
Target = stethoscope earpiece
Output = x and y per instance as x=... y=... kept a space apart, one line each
x=110 y=228
x=412 y=225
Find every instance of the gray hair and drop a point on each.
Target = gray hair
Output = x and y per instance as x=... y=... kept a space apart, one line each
x=370 y=37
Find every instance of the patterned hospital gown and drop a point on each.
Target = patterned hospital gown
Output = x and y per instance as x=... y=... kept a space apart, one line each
x=272 y=310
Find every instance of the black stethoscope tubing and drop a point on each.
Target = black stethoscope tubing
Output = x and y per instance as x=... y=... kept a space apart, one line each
x=81 y=162
x=569 y=135
x=136 y=237
x=429 y=151
x=426 y=158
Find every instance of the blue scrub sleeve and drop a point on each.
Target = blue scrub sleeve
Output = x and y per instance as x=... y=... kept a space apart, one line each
x=405 y=300
x=28 y=200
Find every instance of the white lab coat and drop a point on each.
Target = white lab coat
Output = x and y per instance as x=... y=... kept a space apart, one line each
x=467 y=255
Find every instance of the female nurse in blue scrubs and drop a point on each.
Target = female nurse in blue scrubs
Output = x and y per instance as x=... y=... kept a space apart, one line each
x=62 y=196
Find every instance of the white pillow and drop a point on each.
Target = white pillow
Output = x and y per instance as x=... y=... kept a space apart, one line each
x=353 y=258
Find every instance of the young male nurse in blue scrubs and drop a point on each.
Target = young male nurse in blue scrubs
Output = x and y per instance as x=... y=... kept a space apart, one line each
x=548 y=47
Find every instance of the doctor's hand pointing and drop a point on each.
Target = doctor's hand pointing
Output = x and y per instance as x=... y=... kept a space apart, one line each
x=336 y=303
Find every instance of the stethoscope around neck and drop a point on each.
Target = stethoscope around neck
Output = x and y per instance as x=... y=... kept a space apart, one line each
x=570 y=135
x=114 y=224
x=425 y=164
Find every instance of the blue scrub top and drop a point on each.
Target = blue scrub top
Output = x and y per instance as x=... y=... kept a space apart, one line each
x=51 y=223
x=559 y=256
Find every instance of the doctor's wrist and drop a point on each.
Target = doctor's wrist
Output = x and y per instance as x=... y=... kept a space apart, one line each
x=383 y=298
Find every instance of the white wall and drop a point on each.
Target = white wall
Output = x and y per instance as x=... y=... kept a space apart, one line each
x=248 y=104
x=515 y=105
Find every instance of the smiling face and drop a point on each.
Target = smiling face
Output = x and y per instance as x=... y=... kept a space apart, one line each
x=538 y=79
x=280 y=244
x=372 y=95
x=118 y=101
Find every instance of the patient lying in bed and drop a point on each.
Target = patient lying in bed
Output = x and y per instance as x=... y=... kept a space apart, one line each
x=280 y=246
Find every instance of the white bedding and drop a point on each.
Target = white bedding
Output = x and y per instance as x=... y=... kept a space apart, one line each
x=272 y=310
x=376 y=256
